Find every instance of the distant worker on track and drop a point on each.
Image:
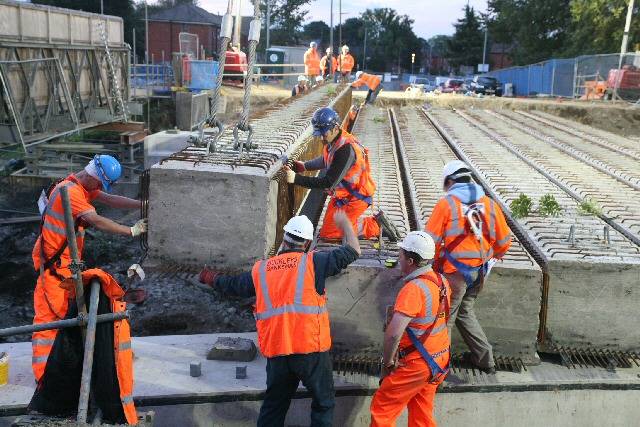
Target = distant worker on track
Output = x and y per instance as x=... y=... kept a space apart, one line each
x=346 y=64
x=50 y=253
x=416 y=341
x=292 y=318
x=469 y=230
x=373 y=82
x=348 y=179
x=325 y=64
x=312 y=62
x=301 y=87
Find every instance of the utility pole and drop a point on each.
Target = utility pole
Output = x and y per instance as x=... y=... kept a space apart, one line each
x=331 y=40
x=340 y=24
x=364 y=50
x=484 y=49
x=101 y=7
x=268 y=22
x=625 y=37
x=146 y=61
x=135 y=56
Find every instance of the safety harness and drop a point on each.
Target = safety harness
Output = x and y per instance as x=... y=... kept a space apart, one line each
x=418 y=343
x=475 y=223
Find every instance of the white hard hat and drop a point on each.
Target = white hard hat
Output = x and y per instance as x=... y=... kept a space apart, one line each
x=420 y=243
x=300 y=226
x=302 y=78
x=452 y=167
x=345 y=47
x=358 y=74
x=328 y=50
x=313 y=44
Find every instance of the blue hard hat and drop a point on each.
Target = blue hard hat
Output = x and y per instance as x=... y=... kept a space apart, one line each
x=323 y=120
x=108 y=168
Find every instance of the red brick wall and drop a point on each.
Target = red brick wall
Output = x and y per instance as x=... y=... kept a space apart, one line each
x=164 y=36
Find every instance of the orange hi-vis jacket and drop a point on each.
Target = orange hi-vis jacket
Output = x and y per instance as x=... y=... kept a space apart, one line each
x=311 y=62
x=53 y=227
x=324 y=66
x=357 y=182
x=449 y=228
x=372 y=81
x=346 y=63
x=420 y=299
x=291 y=317
x=123 y=354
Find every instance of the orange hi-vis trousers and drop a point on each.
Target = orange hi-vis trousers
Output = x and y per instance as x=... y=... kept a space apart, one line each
x=407 y=386
x=365 y=227
x=50 y=303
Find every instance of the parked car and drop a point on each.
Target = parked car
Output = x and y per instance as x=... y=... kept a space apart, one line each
x=486 y=86
x=427 y=85
x=452 y=86
x=466 y=86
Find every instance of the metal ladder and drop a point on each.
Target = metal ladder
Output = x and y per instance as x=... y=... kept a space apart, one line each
x=119 y=108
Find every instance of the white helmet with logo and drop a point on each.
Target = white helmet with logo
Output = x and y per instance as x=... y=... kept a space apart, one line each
x=420 y=243
x=300 y=226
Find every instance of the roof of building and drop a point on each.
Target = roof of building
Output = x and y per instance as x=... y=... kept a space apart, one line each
x=189 y=13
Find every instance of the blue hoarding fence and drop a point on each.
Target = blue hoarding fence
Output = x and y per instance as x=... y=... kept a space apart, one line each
x=554 y=77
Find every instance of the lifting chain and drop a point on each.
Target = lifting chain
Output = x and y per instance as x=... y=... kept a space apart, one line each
x=243 y=123
x=226 y=30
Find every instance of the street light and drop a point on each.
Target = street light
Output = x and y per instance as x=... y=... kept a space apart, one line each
x=413 y=61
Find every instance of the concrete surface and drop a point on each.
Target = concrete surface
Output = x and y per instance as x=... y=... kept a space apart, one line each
x=544 y=395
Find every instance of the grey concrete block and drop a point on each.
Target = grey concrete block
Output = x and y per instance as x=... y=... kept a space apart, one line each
x=195 y=369
x=232 y=348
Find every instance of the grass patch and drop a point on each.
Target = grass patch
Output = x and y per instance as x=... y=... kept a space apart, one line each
x=379 y=119
x=331 y=90
x=549 y=206
x=589 y=207
x=521 y=207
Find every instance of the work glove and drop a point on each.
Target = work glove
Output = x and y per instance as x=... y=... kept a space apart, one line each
x=139 y=228
x=208 y=276
x=291 y=176
x=298 y=167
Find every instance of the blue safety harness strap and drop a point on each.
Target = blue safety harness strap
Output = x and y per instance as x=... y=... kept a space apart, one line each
x=436 y=370
x=468 y=271
x=347 y=186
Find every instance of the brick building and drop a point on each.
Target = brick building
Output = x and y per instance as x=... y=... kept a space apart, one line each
x=165 y=27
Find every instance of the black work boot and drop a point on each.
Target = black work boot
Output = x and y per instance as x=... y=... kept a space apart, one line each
x=467 y=358
x=389 y=229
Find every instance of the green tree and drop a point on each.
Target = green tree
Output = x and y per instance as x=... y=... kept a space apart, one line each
x=317 y=31
x=287 y=17
x=390 y=39
x=597 y=27
x=465 y=47
x=536 y=29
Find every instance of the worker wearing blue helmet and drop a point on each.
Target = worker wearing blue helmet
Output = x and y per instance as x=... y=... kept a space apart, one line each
x=51 y=257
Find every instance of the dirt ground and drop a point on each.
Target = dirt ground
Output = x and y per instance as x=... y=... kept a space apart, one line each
x=616 y=117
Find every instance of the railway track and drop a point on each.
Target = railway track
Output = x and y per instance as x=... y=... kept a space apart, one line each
x=619 y=203
x=567 y=236
x=616 y=143
x=621 y=167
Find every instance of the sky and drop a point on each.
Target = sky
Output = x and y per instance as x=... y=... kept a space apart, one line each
x=432 y=17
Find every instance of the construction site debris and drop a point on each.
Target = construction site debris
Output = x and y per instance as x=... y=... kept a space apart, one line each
x=233 y=348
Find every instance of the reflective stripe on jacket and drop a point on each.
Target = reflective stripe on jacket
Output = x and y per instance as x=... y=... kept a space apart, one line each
x=358 y=177
x=346 y=63
x=311 y=62
x=291 y=317
x=448 y=223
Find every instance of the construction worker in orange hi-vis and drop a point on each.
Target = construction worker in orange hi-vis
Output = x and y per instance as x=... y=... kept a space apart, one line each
x=346 y=63
x=416 y=340
x=470 y=233
x=292 y=318
x=327 y=67
x=51 y=257
x=373 y=82
x=312 y=62
x=347 y=179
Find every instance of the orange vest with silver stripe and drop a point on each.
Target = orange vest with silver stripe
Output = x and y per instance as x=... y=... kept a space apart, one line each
x=291 y=317
x=359 y=175
x=53 y=234
x=437 y=343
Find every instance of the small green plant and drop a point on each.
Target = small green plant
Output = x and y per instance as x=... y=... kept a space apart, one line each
x=548 y=206
x=331 y=90
x=589 y=207
x=379 y=119
x=521 y=207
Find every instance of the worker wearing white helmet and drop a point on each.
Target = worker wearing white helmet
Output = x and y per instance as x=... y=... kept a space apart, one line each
x=291 y=316
x=469 y=230
x=416 y=340
x=312 y=61
x=328 y=64
x=301 y=87
x=346 y=64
